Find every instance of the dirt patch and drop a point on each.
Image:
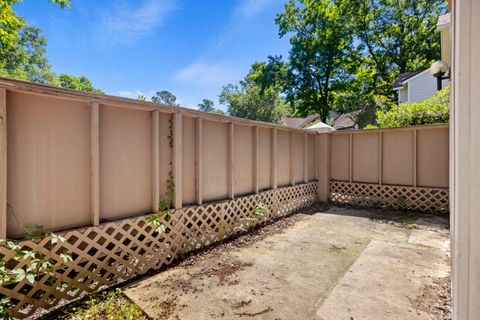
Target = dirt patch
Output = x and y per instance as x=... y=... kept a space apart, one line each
x=436 y=299
x=335 y=248
x=241 y=304
x=167 y=307
x=226 y=269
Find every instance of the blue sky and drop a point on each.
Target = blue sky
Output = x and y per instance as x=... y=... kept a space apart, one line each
x=129 y=47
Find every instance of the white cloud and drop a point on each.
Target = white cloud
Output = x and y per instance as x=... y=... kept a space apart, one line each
x=125 y=24
x=206 y=74
x=130 y=94
x=250 y=8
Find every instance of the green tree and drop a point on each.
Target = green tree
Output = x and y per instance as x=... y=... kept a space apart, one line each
x=397 y=36
x=81 y=83
x=141 y=97
x=22 y=48
x=206 y=105
x=27 y=60
x=258 y=95
x=321 y=56
x=433 y=110
x=165 y=97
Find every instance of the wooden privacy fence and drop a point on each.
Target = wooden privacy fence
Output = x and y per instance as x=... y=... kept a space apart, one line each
x=95 y=167
x=76 y=159
x=404 y=168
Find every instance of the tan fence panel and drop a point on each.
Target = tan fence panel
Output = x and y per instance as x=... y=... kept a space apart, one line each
x=298 y=147
x=432 y=157
x=214 y=161
x=397 y=168
x=48 y=163
x=125 y=162
x=365 y=157
x=340 y=149
x=311 y=154
x=188 y=159
x=264 y=160
x=283 y=162
x=404 y=168
x=243 y=160
x=165 y=153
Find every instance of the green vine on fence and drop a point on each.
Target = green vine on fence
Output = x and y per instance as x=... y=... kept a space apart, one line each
x=164 y=205
x=37 y=264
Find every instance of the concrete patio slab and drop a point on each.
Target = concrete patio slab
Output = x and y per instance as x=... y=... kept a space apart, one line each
x=336 y=264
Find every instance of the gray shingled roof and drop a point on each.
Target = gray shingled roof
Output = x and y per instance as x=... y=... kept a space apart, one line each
x=404 y=76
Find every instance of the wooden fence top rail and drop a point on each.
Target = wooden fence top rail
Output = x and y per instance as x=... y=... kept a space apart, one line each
x=69 y=94
x=428 y=126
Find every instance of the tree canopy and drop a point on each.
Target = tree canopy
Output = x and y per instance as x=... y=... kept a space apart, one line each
x=344 y=54
x=165 y=97
x=23 y=51
x=81 y=83
x=207 y=105
x=321 y=55
x=257 y=96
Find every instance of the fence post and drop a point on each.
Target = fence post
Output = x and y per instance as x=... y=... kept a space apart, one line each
x=95 y=161
x=324 y=166
x=273 y=159
x=380 y=157
x=230 y=164
x=305 y=158
x=177 y=160
x=255 y=159
x=198 y=160
x=291 y=156
x=155 y=160
x=3 y=163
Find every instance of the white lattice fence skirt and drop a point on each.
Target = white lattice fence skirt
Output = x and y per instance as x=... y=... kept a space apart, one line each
x=117 y=251
x=433 y=200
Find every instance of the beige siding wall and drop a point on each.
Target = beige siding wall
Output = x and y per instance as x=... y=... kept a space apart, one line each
x=403 y=95
x=423 y=87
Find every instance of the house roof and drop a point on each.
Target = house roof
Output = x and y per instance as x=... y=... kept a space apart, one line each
x=402 y=77
x=299 y=122
x=346 y=121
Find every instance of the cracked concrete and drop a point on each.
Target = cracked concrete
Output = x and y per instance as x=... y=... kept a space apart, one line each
x=337 y=264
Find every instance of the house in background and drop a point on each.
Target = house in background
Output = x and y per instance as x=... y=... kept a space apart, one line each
x=419 y=85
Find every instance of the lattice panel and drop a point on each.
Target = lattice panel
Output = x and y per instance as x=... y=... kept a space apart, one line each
x=117 y=251
x=433 y=200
